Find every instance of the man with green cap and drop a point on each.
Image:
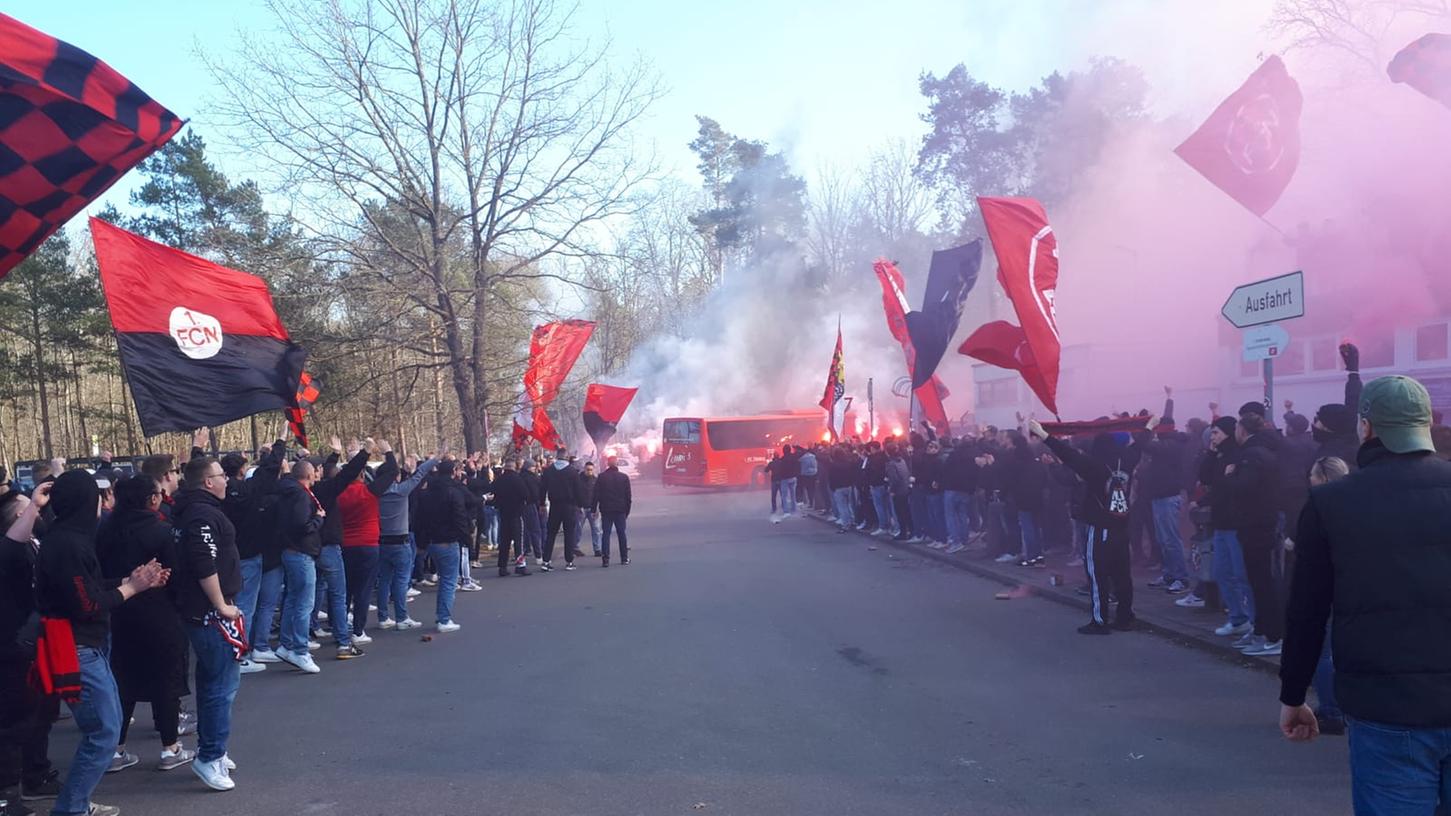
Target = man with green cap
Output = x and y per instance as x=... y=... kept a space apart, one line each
x=1375 y=548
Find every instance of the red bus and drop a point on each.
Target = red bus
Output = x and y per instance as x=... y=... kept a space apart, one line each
x=732 y=451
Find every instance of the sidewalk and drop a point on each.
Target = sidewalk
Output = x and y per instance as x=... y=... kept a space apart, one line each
x=1154 y=608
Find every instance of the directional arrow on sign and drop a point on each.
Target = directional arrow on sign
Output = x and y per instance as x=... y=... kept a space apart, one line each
x=1266 y=301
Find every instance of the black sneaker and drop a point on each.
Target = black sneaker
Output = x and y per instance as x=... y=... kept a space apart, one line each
x=47 y=788
x=569 y=566
x=544 y=567
x=349 y=652
x=625 y=562
x=1094 y=628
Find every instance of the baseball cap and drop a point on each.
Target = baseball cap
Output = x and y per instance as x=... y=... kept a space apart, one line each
x=1399 y=411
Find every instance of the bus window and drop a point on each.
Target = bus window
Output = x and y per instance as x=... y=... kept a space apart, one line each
x=744 y=434
x=682 y=431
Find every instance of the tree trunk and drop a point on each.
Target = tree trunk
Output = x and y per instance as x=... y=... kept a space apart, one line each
x=47 y=446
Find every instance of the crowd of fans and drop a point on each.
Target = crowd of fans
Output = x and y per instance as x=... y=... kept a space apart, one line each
x=1109 y=493
x=120 y=589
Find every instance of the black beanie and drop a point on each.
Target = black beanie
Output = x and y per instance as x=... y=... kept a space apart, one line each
x=1336 y=418
x=1252 y=408
x=1226 y=425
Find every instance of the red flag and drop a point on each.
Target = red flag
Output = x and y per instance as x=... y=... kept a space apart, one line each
x=1027 y=255
x=894 y=303
x=201 y=343
x=553 y=348
x=307 y=393
x=543 y=430
x=603 y=407
x=833 y=398
x=1250 y=146
x=69 y=127
x=1426 y=66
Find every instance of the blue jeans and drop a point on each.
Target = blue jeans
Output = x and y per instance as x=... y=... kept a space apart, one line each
x=936 y=517
x=882 y=503
x=98 y=716
x=395 y=565
x=533 y=533
x=593 y=519
x=332 y=589
x=917 y=505
x=787 y=488
x=1032 y=541
x=959 y=515
x=491 y=526
x=217 y=676
x=1324 y=682
x=1398 y=771
x=1230 y=574
x=841 y=499
x=300 y=572
x=445 y=559
x=269 y=597
x=251 y=583
x=1171 y=543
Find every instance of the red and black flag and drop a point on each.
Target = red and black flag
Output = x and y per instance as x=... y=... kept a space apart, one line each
x=1250 y=146
x=603 y=407
x=1426 y=66
x=951 y=276
x=894 y=304
x=833 y=398
x=307 y=393
x=69 y=127
x=201 y=343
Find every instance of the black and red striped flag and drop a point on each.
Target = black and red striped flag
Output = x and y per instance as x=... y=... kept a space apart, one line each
x=603 y=407
x=307 y=393
x=201 y=343
x=69 y=127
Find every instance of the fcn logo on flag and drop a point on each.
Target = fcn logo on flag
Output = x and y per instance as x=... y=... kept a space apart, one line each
x=198 y=335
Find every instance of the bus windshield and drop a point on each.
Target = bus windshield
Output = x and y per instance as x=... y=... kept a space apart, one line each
x=682 y=431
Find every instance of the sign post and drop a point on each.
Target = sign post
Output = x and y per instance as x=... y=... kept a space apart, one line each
x=1256 y=306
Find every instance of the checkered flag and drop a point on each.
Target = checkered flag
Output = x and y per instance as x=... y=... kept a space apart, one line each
x=69 y=127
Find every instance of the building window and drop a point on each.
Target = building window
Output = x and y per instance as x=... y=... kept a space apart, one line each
x=1431 y=343
x=1378 y=351
x=1324 y=354
x=997 y=393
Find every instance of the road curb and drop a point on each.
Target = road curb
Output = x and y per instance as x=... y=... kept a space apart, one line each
x=1191 y=637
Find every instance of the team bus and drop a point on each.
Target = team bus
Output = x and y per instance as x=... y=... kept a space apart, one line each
x=732 y=451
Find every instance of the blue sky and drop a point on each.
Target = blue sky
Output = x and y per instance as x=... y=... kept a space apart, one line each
x=824 y=81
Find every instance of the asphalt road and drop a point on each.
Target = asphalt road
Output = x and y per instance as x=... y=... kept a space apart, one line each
x=739 y=667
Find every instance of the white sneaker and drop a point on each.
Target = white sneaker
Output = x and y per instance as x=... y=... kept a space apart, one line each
x=1190 y=601
x=408 y=623
x=412 y=593
x=1230 y=629
x=227 y=763
x=938 y=545
x=313 y=645
x=470 y=586
x=956 y=548
x=265 y=656
x=1269 y=648
x=362 y=637
x=213 y=774
x=1249 y=641
x=449 y=627
x=387 y=623
x=171 y=760
x=251 y=666
x=321 y=615
x=303 y=662
x=1006 y=558
x=372 y=608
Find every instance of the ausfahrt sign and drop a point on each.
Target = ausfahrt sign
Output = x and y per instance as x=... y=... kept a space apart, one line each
x=1266 y=301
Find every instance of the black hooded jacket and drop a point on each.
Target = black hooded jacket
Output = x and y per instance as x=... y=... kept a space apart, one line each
x=298 y=526
x=446 y=510
x=1253 y=486
x=69 y=582
x=206 y=545
x=1095 y=470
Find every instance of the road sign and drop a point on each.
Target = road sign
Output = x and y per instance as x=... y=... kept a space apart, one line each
x=1266 y=301
x=1264 y=342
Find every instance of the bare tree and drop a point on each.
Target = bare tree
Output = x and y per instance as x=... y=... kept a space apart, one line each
x=1356 y=29
x=832 y=216
x=893 y=199
x=445 y=148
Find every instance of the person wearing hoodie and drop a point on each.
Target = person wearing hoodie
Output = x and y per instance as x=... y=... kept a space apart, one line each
x=562 y=488
x=332 y=580
x=1251 y=481
x=70 y=590
x=445 y=514
x=26 y=714
x=148 y=642
x=299 y=520
x=511 y=501
x=1334 y=428
x=358 y=514
x=208 y=576
x=1228 y=568
x=1109 y=482
x=395 y=551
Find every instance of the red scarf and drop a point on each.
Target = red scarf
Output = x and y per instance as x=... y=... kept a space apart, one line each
x=57 y=666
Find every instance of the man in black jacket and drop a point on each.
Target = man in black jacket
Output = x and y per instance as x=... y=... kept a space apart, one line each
x=446 y=511
x=612 y=501
x=511 y=501
x=561 y=487
x=299 y=522
x=26 y=715
x=533 y=530
x=1334 y=429
x=249 y=506
x=1161 y=482
x=1105 y=510
x=1251 y=481
x=208 y=577
x=1373 y=548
